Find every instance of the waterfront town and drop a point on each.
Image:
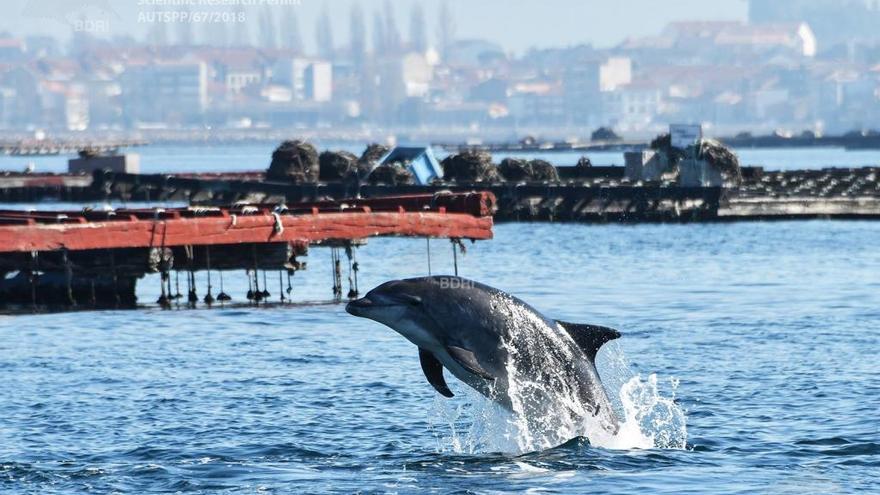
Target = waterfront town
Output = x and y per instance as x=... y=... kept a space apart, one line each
x=787 y=71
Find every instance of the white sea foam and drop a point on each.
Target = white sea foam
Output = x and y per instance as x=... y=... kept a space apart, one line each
x=543 y=416
x=649 y=420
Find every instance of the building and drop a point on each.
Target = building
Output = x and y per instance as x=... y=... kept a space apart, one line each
x=538 y=102
x=733 y=38
x=65 y=105
x=237 y=79
x=584 y=84
x=308 y=79
x=173 y=92
x=833 y=21
x=633 y=107
x=318 y=82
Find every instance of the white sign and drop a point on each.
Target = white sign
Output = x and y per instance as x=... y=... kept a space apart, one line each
x=684 y=135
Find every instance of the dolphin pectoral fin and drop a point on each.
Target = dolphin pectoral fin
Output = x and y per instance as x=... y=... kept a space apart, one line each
x=434 y=372
x=468 y=361
x=589 y=337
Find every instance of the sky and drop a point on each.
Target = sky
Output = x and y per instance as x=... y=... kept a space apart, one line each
x=515 y=25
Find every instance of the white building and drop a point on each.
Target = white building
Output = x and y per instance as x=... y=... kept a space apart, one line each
x=238 y=79
x=308 y=80
x=633 y=106
x=587 y=83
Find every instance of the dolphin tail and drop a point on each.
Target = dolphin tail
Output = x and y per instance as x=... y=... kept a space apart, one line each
x=589 y=337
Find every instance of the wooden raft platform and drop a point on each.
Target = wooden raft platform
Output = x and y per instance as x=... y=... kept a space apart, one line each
x=67 y=257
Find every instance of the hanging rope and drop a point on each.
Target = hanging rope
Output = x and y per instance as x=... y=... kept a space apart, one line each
x=35 y=262
x=352 y=287
x=177 y=295
x=289 y=285
x=250 y=292
x=353 y=269
x=336 y=266
x=209 y=299
x=265 y=292
x=456 y=243
x=222 y=296
x=428 y=244
x=192 y=297
x=257 y=295
x=68 y=275
x=164 y=300
x=281 y=286
x=115 y=277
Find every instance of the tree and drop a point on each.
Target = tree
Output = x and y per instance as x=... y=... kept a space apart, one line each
x=417 y=38
x=357 y=34
x=392 y=34
x=324 y=35
x=158 y=34
x=379 y=47
x=290 y=36
x=268 y=39
x=216 y=34
x=185 y=31
x=241 y=35
x=445 y=28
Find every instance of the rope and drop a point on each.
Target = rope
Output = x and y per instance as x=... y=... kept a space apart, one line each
x=336 y=267
x=250 y=292
x=68 y=274
x=208 y=297
x=35 y=262
x=115 y=277
x=279 y=227
x=257 y=295
x=456 y=242
x=428 y=244
x=356 y=268
x=454 y=257
x=192 y=297
x=281 y=285
x=265 y=292
x=164 y=300
x=222 y=296
x=349 y=253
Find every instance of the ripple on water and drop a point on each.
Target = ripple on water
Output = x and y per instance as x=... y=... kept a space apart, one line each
x=767 y=346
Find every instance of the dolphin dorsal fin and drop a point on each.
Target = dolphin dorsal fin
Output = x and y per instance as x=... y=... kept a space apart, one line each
x=434 y=372
x=589 y=337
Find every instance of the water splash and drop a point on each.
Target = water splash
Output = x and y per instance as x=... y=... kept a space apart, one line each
x=649 y=417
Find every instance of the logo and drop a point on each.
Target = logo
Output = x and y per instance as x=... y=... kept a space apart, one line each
x=81 y=15
x=455 y=283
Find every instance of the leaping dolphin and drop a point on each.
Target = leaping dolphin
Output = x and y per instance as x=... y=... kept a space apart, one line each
x=496 y=344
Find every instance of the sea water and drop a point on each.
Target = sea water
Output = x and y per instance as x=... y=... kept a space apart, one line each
x=747 y=363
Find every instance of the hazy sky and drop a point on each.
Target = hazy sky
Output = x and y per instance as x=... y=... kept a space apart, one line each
x=516 y=25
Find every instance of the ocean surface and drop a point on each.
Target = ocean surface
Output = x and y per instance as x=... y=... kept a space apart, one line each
x=748 y=364
x=247 y=157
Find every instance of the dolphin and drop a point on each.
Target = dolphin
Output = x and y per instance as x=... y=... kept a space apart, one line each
x=496 y=344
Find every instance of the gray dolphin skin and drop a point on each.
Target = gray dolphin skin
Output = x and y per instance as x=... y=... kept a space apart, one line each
x=496 y=344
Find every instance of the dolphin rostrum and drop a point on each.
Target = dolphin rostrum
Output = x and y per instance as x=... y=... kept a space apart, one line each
x=496 y=344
